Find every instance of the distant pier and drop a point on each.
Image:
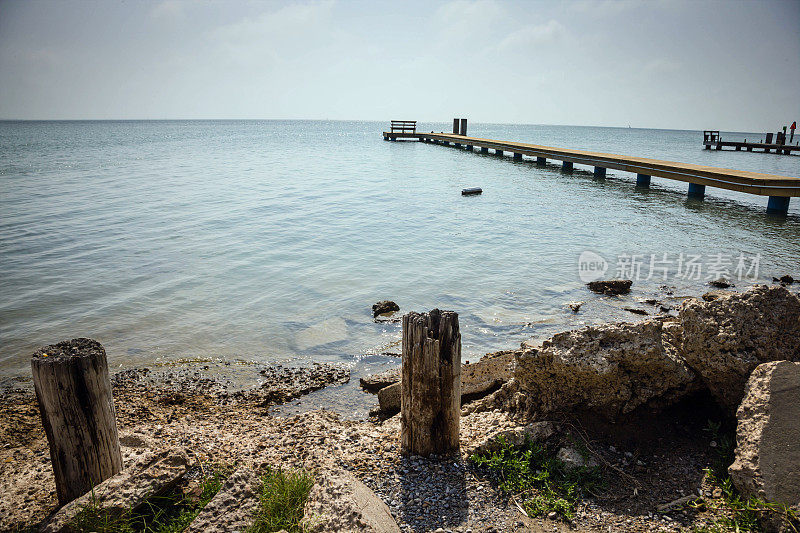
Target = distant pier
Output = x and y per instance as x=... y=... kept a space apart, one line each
x=779 y=189
x=712 y=140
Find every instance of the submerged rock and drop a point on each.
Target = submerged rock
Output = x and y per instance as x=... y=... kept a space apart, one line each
x=785 y=279
x=635 y=311
x=612 y=287
x=283 y=384
x=767 y=463
x=721 y=283
x=724 y=339
x=384 y=307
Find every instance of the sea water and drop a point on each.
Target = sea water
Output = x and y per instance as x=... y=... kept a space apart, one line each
x=269 y=241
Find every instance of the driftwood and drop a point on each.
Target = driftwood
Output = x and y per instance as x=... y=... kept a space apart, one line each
x=74 y=394
x=431 y=383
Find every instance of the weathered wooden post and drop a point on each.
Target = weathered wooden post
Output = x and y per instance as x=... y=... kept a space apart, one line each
x=431 y=383
x=74 y=394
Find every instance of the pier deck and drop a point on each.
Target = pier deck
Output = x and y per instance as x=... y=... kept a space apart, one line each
x=778 y=188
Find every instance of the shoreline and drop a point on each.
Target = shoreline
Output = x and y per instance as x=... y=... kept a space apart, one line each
x=649 y=462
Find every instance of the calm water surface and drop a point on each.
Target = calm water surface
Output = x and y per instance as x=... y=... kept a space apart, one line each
x=270 y=240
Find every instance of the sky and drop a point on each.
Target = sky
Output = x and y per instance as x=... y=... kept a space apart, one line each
x=731 y=65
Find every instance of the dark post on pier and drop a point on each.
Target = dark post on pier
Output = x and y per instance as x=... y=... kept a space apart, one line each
x=430 y=403
x=74 y=394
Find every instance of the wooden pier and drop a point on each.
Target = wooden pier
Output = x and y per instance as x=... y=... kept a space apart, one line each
x=712 y=140
x=779 y=189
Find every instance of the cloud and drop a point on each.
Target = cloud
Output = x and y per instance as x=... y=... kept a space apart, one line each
x=168 y=9
x=533 y=36
x=661 y=66
x=288 y=34
x=469 y=21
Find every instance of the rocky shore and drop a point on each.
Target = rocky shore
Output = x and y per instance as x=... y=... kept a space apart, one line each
x=649 y=402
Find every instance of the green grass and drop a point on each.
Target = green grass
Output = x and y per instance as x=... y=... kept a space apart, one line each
x=170 y=513
x=539 y=478
x=740 y=514
x=283 y=497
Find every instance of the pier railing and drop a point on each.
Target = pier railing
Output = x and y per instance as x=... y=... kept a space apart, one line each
x=404 y=126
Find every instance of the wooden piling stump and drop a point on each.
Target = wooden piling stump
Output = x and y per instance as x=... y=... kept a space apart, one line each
x=74 y=394
x=431 y=383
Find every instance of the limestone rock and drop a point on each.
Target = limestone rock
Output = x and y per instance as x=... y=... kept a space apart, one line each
x=486 y=375
x=389 y=398
x=136 y=441
x=152 y=474
x=725 y=339
x=233 y=507
x=710 y=296
x=611 y=287
x=573 y=459
x=375 y=382
x=611 y=369
x=339 y=502
x=477 y=380
x=383 y=307
x=767 y=463
x=517 y=437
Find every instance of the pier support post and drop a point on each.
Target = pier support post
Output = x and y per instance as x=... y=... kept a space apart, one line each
x=541 y=161
x=517 y=156
x=778 y=205
x=566 y=166
x=498 y=152
x=696 y=190
x=74 y=395
x=430 y=401
x=599 y=172
x=457 y=145
x=484 y=150
x=469 y=148
x=642 y=180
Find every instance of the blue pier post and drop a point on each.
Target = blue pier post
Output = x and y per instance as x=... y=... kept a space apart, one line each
x=642 y=180
x=458 y=145
x=469 y=148
x=566 y=166
x=541 y=160
x=696 y=190
x=498 y=152
x=778 y=205
x=517 y=156
x=600 y=172
x=484 y=150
